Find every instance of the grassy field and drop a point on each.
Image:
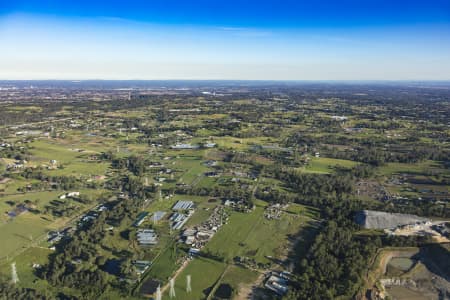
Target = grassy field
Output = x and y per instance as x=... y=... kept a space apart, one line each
x=165 y=264
x=417 y=168
x=24 y=265
x=27 y=227
x=201 y=214
x=241 y=143
x=68 y=156
x=423 y=179
x=238 y=277
x=326 y=165
x=26 y=272
x=11 y=187
x=39 y=198
x=25 y=109
x=193 y=169
x=21 y=232
x=206 y=182
x=204 y=274
x=252 y=235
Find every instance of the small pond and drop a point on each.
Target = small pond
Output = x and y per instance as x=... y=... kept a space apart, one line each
x=402 y=263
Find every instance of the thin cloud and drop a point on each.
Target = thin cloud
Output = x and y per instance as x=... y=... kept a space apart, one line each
x=244 y=31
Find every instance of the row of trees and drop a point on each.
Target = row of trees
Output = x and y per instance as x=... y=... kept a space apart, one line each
x=10 y=291
x=49 y=181
x=78 y=263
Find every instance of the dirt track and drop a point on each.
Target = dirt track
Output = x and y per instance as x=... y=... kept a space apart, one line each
x=379 y=264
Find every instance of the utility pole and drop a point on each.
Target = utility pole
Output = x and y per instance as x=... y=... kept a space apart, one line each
x=172 y=288
x=188 y=284
x=15 y=278
x=158 y=293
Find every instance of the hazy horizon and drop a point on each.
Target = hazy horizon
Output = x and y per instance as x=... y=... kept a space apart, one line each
x=206 y=40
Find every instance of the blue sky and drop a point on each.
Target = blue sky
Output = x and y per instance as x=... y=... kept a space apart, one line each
x=281 y=40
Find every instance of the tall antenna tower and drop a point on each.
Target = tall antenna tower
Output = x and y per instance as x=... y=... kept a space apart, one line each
x=188 y=284
x=172 y=288
x=158 y=293
x=15 y=278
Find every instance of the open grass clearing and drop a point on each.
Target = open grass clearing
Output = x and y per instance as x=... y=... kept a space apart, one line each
x=252 y=235
x=25 y=228
x=20 y=232
x=326 y=165
x=237 y=277
x=416 y=168
x=204 y=274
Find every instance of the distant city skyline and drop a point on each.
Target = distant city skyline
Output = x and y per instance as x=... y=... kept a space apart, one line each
x=233 y=40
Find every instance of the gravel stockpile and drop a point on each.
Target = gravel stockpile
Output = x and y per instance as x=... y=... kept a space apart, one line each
x=372 y=219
